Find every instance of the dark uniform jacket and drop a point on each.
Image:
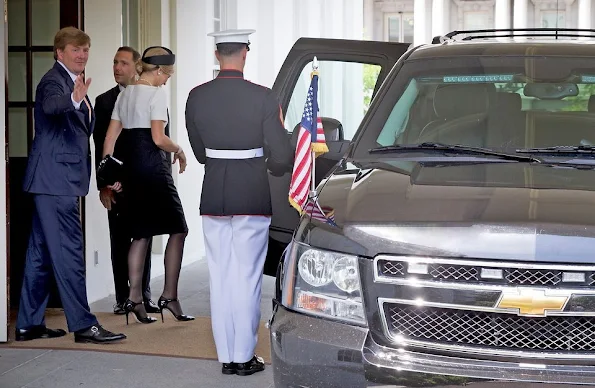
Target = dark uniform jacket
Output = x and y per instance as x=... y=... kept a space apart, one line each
x=230 y=113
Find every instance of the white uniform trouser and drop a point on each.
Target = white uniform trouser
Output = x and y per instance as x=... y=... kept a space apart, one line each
x=236 y=248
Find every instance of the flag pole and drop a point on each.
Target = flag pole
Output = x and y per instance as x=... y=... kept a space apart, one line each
x=313 y=193
x=312 y=153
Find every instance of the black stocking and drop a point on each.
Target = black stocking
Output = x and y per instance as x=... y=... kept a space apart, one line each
x=173 y=263
x=136 y=264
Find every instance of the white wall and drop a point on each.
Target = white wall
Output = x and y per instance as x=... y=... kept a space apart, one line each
x=103 y=23
x=190 y=22
x=279 y=24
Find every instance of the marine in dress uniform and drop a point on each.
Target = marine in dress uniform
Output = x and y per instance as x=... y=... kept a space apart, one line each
x=232 y=124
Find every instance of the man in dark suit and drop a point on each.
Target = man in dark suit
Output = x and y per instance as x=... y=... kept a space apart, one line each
x=125 y=71
x=57 y=175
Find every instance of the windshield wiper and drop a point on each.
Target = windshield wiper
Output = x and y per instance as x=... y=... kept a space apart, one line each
x=461 y=149
x=563 y=149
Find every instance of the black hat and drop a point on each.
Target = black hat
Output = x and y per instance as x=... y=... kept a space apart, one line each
x=159 y=60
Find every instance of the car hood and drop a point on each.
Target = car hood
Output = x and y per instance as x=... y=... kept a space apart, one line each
x=509 y=211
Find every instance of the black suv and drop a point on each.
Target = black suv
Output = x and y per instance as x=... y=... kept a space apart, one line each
x=462 y=243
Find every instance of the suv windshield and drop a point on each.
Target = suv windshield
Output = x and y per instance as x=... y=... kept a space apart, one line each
x=500 y=103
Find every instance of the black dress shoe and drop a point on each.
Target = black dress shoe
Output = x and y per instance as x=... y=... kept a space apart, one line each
x=119 y=309
x=256 y=364
x=151 y=307
x=35 y=332
x=97 y=335
x=229 y=368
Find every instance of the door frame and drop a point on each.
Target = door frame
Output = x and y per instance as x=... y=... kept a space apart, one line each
x=385 y=25
x=384 y=54
x=71 y=14
x=4 y=246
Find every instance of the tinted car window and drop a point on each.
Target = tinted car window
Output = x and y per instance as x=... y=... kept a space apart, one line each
x=344 y=95
x=502 y=103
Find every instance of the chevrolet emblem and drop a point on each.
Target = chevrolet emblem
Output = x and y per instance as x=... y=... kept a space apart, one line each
x=532 y=302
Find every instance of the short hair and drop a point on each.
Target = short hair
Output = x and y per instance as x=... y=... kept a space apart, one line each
x=135 y=57
x=70 y=35
x=128 y=49
x=155 y=51
x=229 y=49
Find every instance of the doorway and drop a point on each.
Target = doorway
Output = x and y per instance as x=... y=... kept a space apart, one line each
x=398 y=27
x=32 y=25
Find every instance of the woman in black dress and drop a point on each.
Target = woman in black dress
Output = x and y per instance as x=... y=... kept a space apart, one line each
x=152 y=205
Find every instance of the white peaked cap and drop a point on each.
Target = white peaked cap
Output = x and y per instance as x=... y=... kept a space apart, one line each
x=232 y=36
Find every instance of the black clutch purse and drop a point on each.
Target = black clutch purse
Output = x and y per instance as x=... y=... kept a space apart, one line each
x=109 y=171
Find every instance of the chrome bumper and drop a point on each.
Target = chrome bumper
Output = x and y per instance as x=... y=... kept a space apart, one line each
x=400 y=360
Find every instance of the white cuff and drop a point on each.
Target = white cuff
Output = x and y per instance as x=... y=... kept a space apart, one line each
x=77 y=105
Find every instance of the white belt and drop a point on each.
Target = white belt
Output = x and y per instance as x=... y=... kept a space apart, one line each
x=234 y=154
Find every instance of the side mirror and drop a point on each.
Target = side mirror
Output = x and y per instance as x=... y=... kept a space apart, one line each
x=333 y=130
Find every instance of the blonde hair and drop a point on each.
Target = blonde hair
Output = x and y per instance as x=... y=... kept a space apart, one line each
x=146 y=67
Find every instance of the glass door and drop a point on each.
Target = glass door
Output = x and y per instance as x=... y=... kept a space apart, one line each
x=398 y=27
x=32 y=25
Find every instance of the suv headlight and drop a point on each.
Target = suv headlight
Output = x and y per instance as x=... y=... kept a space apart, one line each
x=323 y=283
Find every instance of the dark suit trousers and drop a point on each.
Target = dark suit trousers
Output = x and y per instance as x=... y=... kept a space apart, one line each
x=55 y=244
x=120 y=245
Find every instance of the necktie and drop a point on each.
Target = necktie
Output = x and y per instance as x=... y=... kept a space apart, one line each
x=88 y=107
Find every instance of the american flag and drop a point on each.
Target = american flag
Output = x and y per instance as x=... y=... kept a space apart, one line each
x=310 y=139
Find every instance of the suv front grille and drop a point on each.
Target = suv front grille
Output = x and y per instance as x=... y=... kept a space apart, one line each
x=511 y=276
x=453 y=272
x=533 y=277
x=440 y=326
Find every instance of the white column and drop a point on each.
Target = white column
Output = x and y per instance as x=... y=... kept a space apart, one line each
x=440 y=17
x=103 y=23
x=231 y=10
x=421 y=17
x=150 y=23
x=502 y=14
x=248 y=13
x=353 y=20
x=333 y=27
x=190 y=22
x=166 y=28
x=264 y=43
x=584 y=14
x=520 y=14
x=353 y=81
x=308 y=25
x=284 y=35
x=369 y=19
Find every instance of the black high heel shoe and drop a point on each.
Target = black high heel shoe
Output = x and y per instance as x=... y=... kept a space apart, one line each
x=163 y=305
x=129 y=307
